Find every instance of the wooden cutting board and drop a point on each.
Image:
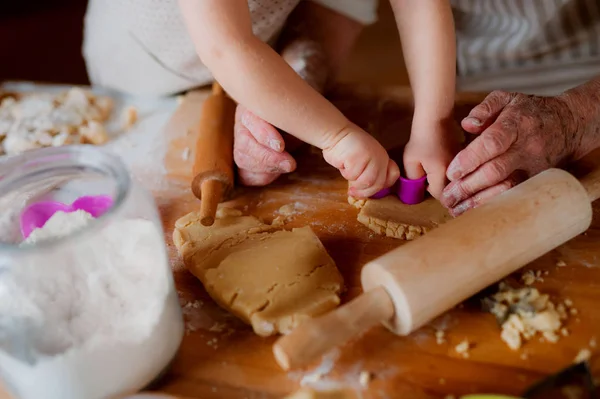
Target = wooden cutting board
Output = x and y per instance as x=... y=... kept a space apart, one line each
x=222 y=358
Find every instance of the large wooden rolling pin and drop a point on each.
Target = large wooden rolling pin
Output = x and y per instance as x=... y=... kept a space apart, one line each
x=213 y=163
x=412 y=284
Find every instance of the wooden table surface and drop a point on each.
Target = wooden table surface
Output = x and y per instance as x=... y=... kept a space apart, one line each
x=232 y=362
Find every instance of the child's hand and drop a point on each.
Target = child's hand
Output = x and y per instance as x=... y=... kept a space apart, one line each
x=363 y=162
x=429 y=152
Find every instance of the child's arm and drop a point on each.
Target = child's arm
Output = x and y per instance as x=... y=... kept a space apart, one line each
x=259 y=79
x=426 y=30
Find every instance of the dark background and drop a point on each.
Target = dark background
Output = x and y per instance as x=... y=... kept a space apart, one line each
x=40 y=40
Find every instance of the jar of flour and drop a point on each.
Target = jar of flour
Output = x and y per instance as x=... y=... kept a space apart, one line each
x=88 y=308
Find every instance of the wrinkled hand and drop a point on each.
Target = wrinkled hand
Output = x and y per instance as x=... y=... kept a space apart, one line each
x=429 y=152
x=518 y=136
x=363 y=162
x=259 y=150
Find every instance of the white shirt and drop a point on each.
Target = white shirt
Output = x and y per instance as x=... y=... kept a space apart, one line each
x=143 y=47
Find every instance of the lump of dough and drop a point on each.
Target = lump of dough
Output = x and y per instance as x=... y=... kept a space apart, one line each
x=272 y=280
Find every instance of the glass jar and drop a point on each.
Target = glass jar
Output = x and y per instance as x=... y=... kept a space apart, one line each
x=92 y=314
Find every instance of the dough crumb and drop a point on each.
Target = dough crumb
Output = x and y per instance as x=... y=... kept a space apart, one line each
x=568 y=303
x=93 y=133
x=463 y=348
x=279 y=221
x=225 y=212
x=130 y=117
x=440 y=337
x=564 y=332
x=561 y=263
x=530 y=277
x=185 y=154
x=524 y=356
x=357 y=203
x=593 y=342
x=524 y=313
x=287 y=210
x=218 y=327
x=364 y=378
x=584 y=355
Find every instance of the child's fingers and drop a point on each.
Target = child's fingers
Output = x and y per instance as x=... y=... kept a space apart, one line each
x=393 y=173
x=250 y=155
x=413 y=169
x=263 y=132
x=371 y=181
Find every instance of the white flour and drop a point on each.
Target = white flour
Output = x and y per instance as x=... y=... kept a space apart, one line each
x=91 y=317
x=61 y=224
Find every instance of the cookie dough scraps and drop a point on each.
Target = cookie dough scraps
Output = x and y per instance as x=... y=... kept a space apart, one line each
x=524 y=313
x=271 y=279
x=36 y=120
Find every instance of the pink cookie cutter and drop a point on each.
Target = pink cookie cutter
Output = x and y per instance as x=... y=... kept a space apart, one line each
x=36 y=215
x=410 y=192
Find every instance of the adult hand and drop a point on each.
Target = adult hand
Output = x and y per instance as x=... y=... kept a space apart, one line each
x=518 y=136
x=259 y=150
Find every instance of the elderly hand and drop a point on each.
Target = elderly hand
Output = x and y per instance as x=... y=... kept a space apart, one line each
x=518 y=136
x=259 y=150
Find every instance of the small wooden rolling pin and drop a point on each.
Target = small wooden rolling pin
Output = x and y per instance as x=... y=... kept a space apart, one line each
x=213 y=163
x=412 y=284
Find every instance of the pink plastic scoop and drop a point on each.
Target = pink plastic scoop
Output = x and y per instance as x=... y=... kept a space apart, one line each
x=36 y=215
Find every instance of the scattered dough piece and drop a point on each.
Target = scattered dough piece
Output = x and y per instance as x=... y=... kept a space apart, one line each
x=593 y=343
x=130 y=117
x=36 y=120
x=272 y=280
x=93 y=133
x=310 y=393
x=523 y=313
x=463 y=348
x=390 y=217
x=583 y=356
x=364 y=378
x=287 y=209
x=224 y=212
x=440 y=337
x=561 y=263
x=357 y=203
x=530 y=277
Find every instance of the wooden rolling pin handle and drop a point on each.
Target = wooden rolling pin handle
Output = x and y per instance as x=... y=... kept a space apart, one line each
x=213 y=163
x=212 y=192
x=311 y=340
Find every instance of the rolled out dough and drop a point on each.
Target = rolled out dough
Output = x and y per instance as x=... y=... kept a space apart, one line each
x=271 y=279
x=391 y=217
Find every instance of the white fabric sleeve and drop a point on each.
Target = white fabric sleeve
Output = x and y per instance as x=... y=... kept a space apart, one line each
x=363 y=11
